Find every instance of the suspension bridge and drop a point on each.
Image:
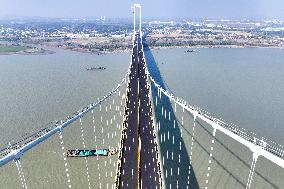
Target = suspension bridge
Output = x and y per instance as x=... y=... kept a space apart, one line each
x=162 y=142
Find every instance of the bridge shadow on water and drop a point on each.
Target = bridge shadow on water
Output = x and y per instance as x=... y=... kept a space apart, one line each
x=173 y=152
x=231 y=161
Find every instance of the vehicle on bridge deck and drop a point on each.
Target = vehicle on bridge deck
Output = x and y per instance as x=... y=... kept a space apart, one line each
x=89 y=153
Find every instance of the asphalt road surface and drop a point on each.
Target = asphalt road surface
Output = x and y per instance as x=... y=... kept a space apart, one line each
x=139 y=162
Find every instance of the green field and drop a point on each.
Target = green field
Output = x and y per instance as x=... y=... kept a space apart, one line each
x=11 y=48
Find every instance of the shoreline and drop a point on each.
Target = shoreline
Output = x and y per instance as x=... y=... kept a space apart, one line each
x=214 y=47
x=106 y=51
x=27 y=53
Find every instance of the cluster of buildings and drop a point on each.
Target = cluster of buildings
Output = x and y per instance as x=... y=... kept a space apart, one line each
x=64 y=30
x=217 y=32
x=159 y=33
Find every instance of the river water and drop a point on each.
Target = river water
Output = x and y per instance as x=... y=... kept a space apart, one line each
x=243 y=86
x=38 y=89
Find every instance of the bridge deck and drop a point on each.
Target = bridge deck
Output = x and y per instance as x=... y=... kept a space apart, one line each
x=139 y=161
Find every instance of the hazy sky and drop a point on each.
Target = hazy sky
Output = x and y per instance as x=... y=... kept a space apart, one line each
x=151 y=8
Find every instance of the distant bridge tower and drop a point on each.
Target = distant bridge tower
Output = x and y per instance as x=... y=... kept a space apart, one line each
x=103 y=18
x=133 y=7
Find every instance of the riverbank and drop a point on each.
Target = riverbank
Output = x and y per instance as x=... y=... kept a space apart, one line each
x=215 y=46
x=107 y=51
x=43 y=49
x=10 y=49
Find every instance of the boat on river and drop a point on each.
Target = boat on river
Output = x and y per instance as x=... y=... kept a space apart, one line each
x=90 y=153
x=95 y=68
